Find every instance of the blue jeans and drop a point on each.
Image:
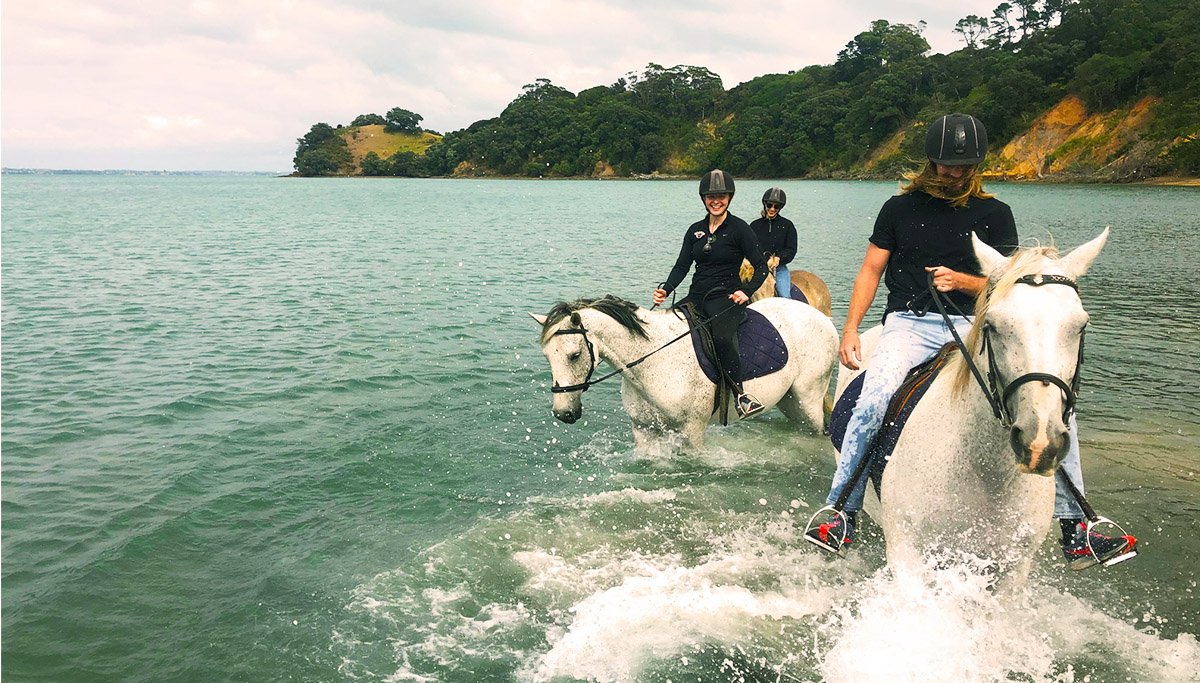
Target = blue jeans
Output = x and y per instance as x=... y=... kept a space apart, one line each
x=909 y=340
x=783 y=282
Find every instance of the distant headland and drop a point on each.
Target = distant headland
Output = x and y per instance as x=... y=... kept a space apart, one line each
x=1072 y=91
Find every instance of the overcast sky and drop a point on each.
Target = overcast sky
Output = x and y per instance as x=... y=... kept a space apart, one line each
x=226 y=85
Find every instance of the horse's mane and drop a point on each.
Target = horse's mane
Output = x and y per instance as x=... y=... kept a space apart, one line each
x=620 y=310
x=1024 y=261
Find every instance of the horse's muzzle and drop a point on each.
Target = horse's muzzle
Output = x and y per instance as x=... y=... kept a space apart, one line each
x=1040 y=453
x=569 y=416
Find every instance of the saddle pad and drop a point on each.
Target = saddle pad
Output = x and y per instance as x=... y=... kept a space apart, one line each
x=759 y=343
x=901 y=406
x=797 y=295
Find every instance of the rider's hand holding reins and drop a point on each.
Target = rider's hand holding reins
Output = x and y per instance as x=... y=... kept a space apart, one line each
x=739 y=297
x=943 y=278
x=659 y=296
x=947 y=280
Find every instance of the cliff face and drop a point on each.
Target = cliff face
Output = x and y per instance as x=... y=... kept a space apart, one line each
x=1069 y=142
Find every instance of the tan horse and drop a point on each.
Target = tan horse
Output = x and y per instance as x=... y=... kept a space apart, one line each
x=813 y=287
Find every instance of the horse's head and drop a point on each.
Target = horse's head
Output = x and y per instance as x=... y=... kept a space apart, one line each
x=570 y=348
x=1029 y=328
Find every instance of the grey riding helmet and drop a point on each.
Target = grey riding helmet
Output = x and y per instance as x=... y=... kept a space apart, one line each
x=956 y=140
x=776 y=196
x=716 y=181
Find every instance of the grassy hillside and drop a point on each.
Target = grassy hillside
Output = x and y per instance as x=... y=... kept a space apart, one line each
x=363 y=139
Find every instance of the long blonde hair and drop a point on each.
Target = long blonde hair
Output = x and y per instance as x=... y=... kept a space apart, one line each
x=957 y=191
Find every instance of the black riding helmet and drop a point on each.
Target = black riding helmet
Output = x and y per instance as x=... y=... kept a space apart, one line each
x=716 y=181
x=776 y=196
x=956 y=140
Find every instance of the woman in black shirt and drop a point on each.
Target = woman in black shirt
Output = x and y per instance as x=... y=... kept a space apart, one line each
x=717 y=244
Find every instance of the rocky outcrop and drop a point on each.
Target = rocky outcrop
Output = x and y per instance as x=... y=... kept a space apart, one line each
x=1069 y=141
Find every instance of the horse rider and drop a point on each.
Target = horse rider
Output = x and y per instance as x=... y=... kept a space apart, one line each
x=717 y=244
x=777 y=237
x=926 y=229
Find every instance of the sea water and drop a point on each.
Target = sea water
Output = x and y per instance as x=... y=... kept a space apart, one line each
x=265 y=429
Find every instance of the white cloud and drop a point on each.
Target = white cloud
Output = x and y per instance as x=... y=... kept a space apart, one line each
x=224 y=84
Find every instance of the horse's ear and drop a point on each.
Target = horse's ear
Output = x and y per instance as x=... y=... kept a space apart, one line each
x=990 y=260
x=1080 y=259
x=575 y=318
x=541 y=319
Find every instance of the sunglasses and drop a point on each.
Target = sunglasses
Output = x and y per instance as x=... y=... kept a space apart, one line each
x=770 y=205
x=708 y=245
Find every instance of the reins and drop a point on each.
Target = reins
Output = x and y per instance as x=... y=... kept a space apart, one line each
x=999 y=400
x=588 y=382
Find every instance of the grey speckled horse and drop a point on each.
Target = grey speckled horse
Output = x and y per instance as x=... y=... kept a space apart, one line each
x=959 y=477
x=668 y=394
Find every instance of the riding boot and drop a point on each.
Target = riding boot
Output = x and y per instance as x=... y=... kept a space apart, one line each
x=1083 y=547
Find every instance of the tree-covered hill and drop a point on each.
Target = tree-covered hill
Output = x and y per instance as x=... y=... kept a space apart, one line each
x=1101 y=89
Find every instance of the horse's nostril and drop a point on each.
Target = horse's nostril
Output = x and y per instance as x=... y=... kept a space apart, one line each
x=1017 y=442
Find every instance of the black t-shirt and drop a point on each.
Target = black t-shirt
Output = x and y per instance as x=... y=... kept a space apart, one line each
x=776 y=237
x=921 y=230
x=733 y=241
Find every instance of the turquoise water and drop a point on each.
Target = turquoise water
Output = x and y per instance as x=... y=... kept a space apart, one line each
x=278 y=429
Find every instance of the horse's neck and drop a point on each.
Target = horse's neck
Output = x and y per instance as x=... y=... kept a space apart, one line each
x=970 y=415
x=619 y=347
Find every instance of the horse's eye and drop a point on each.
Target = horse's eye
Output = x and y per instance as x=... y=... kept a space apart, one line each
x=574 y=357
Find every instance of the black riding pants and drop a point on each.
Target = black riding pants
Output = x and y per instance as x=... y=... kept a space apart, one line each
x=724 y=327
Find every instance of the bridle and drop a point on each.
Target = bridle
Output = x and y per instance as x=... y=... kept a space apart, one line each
x=998 y=393
x=588 y=382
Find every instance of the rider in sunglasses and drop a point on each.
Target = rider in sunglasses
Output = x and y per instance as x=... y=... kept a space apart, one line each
x=777 y=237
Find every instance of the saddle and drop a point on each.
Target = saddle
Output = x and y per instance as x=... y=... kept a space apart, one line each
x=900 y=407
x=760 y=348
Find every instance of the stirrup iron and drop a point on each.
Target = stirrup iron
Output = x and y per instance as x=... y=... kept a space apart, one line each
x=1116 y=559
x=753 y=405
x=813 y=523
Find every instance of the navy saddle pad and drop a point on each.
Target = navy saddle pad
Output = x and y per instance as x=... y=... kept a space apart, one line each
x=901 y=406
x=762 y=348
x=797 y=295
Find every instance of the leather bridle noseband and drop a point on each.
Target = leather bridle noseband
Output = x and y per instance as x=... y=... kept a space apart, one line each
x=998 y=393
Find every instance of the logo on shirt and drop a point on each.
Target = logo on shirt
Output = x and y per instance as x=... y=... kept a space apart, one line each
x=698 y=234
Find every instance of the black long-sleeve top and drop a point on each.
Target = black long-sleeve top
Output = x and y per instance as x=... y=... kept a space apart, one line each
x=776 y=237
x=732 y=241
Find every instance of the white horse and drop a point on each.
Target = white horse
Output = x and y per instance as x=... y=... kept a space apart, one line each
x=959 y=477
x=668 y=392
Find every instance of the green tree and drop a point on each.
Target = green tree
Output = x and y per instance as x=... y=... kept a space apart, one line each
x=368 y=120
x=972 y=28
x=884 y=43
x=1104 y=80
x=407 y=165
x=321 y=152
x=373 y=165
x=402 y=121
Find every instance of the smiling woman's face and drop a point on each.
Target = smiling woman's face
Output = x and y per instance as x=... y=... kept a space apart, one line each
x=717 y=204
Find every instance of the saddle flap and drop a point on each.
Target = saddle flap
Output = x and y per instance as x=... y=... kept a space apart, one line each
x=900 y=407
x=761 y=347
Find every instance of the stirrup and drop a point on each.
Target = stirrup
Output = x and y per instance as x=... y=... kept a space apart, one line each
x=753 y=405
x=1116 y=559
x=813 y=523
